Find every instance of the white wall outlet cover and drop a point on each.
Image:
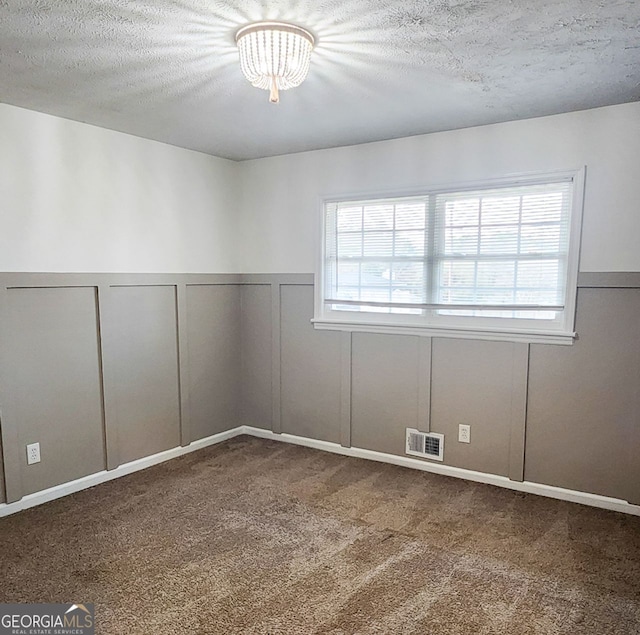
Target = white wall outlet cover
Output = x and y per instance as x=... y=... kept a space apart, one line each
x=464 y=433
x=33 y=453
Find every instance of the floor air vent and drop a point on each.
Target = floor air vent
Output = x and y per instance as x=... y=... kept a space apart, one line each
x=429 y=445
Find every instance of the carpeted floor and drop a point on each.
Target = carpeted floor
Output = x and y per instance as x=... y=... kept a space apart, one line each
x=258 y=537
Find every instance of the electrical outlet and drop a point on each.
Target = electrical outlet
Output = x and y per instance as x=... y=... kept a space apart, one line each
x=33 y=453
x=464 y=433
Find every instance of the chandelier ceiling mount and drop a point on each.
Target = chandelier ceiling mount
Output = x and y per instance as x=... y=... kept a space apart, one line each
x=274 y=56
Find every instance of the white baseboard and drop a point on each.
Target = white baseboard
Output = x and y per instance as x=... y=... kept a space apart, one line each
x=31 y=500
x=550 y=491
x=584 y=498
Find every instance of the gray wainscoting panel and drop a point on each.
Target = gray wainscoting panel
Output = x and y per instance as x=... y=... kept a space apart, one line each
x=255 y=325
x=310 y=369
x=472 y=383
x=249 y=355
x=384 y=390
x=56 y=381
x=519 y=391
x=214 y=358
x=345 y=388
x=610 y=279
x=583 y=424
x=146 y=370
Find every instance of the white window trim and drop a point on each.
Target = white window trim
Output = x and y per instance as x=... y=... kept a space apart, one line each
x=375 y=323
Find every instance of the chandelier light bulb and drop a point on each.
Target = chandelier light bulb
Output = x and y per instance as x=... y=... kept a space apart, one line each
x=274 y=56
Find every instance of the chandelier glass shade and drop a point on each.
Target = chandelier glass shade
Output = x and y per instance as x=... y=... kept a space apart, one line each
x=274 y=56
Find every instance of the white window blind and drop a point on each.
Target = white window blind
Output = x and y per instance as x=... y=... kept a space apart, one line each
x=499 y=253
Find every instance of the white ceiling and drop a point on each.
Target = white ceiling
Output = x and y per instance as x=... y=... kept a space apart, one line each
x=168 y=69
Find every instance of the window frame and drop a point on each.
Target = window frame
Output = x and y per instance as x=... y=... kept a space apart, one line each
x=466 y=327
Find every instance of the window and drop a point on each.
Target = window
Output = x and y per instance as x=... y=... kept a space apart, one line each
x=497 y=260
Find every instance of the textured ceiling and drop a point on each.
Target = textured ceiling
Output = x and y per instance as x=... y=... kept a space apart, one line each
x=168 y=69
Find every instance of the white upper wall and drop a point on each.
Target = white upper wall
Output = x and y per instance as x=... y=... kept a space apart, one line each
x=79 y=198
x=281 y=195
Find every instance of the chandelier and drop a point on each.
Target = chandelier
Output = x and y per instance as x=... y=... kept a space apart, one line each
x=274 y=56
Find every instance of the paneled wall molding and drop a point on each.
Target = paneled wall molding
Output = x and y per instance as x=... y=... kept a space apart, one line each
x=178 y=358
x=276 y=394
x=277 y=278
x=106 y=342
x=517 y=436
x=91 y=480
x=609 y=280
x=183 y=363
x=102 y=291
x=425 y=347
x=30 y=280
x=116 y=430
x=345 y=389
x=10 y=468
x=584 y=498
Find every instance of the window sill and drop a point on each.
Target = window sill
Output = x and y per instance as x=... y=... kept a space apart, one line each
x=527 y=337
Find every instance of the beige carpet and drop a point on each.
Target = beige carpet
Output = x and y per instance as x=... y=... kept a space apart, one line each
x=258 y=537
